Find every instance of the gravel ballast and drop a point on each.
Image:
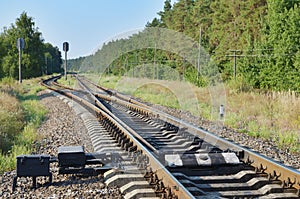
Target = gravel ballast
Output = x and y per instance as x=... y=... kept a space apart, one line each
x=62 y=127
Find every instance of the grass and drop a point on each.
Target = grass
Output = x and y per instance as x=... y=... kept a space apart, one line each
x=103 y=80
x=268 y=115
x=156 y=94
x=287 y=140
x=21 y=115
x=35 y=112
x=70 y=82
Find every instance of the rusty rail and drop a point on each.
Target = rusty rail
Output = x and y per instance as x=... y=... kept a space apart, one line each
x=164 y=176
x=276 y=171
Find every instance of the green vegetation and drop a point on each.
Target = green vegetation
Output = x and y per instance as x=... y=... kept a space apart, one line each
x=38 y=58
x=156 y=94
x=70 y=82
x=21 y=114
x=264 y=34
x=261 y=100
x=273 y=116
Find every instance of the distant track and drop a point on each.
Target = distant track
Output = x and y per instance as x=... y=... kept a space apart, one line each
x=180 y=160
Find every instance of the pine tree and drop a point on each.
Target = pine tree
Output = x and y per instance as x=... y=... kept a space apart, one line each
x=166 y=15
x=282 y=36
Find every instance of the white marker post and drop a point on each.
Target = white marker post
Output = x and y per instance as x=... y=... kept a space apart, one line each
x=20 y=46
x=221 y=111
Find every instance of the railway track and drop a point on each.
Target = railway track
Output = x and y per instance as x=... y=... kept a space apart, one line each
x=170 y=158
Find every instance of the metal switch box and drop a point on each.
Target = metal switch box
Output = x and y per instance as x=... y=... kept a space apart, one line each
x=71 y=156
x=33 y=165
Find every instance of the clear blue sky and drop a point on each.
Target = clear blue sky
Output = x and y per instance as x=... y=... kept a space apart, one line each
x=85 y=24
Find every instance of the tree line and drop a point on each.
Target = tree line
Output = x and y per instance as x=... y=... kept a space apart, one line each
x=255 y=41
x=38 y=57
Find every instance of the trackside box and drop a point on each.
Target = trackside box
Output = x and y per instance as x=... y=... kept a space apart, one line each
x=33 y=165
x=71 y=156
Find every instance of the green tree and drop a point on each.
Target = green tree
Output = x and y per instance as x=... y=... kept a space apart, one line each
x=166 y=15
x=265 y=31
x=276 y=66
x=235 y=26
x=53 y=59
x=201 y=19
x=154 y=23
x=32 y=58
x=2 y=53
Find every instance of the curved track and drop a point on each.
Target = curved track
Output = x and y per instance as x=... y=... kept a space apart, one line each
x=178 y=159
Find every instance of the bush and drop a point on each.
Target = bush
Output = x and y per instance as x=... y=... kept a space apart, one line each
x=11 y=119
x=19 y=120
x=8 y=161
x=34 y=111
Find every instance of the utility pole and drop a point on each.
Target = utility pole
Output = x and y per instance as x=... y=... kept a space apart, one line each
x=133 y=71
x=155 y=66
x=126 y=66
x=199 y=53
x=46 y=64
x=234 y=60
x=143 y=74
x=20 y=46
x=20 y=66
x=51 y=66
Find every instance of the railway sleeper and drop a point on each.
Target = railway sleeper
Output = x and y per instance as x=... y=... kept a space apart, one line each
x=137 y=189
x=280 y=195
x=132 y=148
x=120 y=138
x=166 y=135
x=124 y=142
x=177 y=141
x=128 y=145
x=115 y=133
x=121 y=179
x=252 y=184
x=202 y=159
x=263 y=191
x=257 y=184
x=241 y=176
x=187 y=147
x=131 y=185
x=265 y=186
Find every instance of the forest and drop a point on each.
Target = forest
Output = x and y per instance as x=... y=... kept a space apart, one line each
x=38 y=58
x=255 y=42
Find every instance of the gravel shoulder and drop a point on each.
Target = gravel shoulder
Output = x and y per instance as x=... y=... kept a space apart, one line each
x=62 y=127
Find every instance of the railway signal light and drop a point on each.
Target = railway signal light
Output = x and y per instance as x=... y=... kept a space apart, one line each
x=66 y=49
x=66 y=46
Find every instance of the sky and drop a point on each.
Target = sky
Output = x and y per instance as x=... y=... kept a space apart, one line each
x=84 y=24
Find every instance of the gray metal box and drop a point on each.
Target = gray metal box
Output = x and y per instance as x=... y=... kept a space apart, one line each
x=71 y=156
x=33 y=165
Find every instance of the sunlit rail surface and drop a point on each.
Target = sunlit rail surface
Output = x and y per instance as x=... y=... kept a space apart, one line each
x=162 y=156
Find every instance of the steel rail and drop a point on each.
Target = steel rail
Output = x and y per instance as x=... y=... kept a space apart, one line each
x=166 y=177
x=97 y=101
x=277 y=171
